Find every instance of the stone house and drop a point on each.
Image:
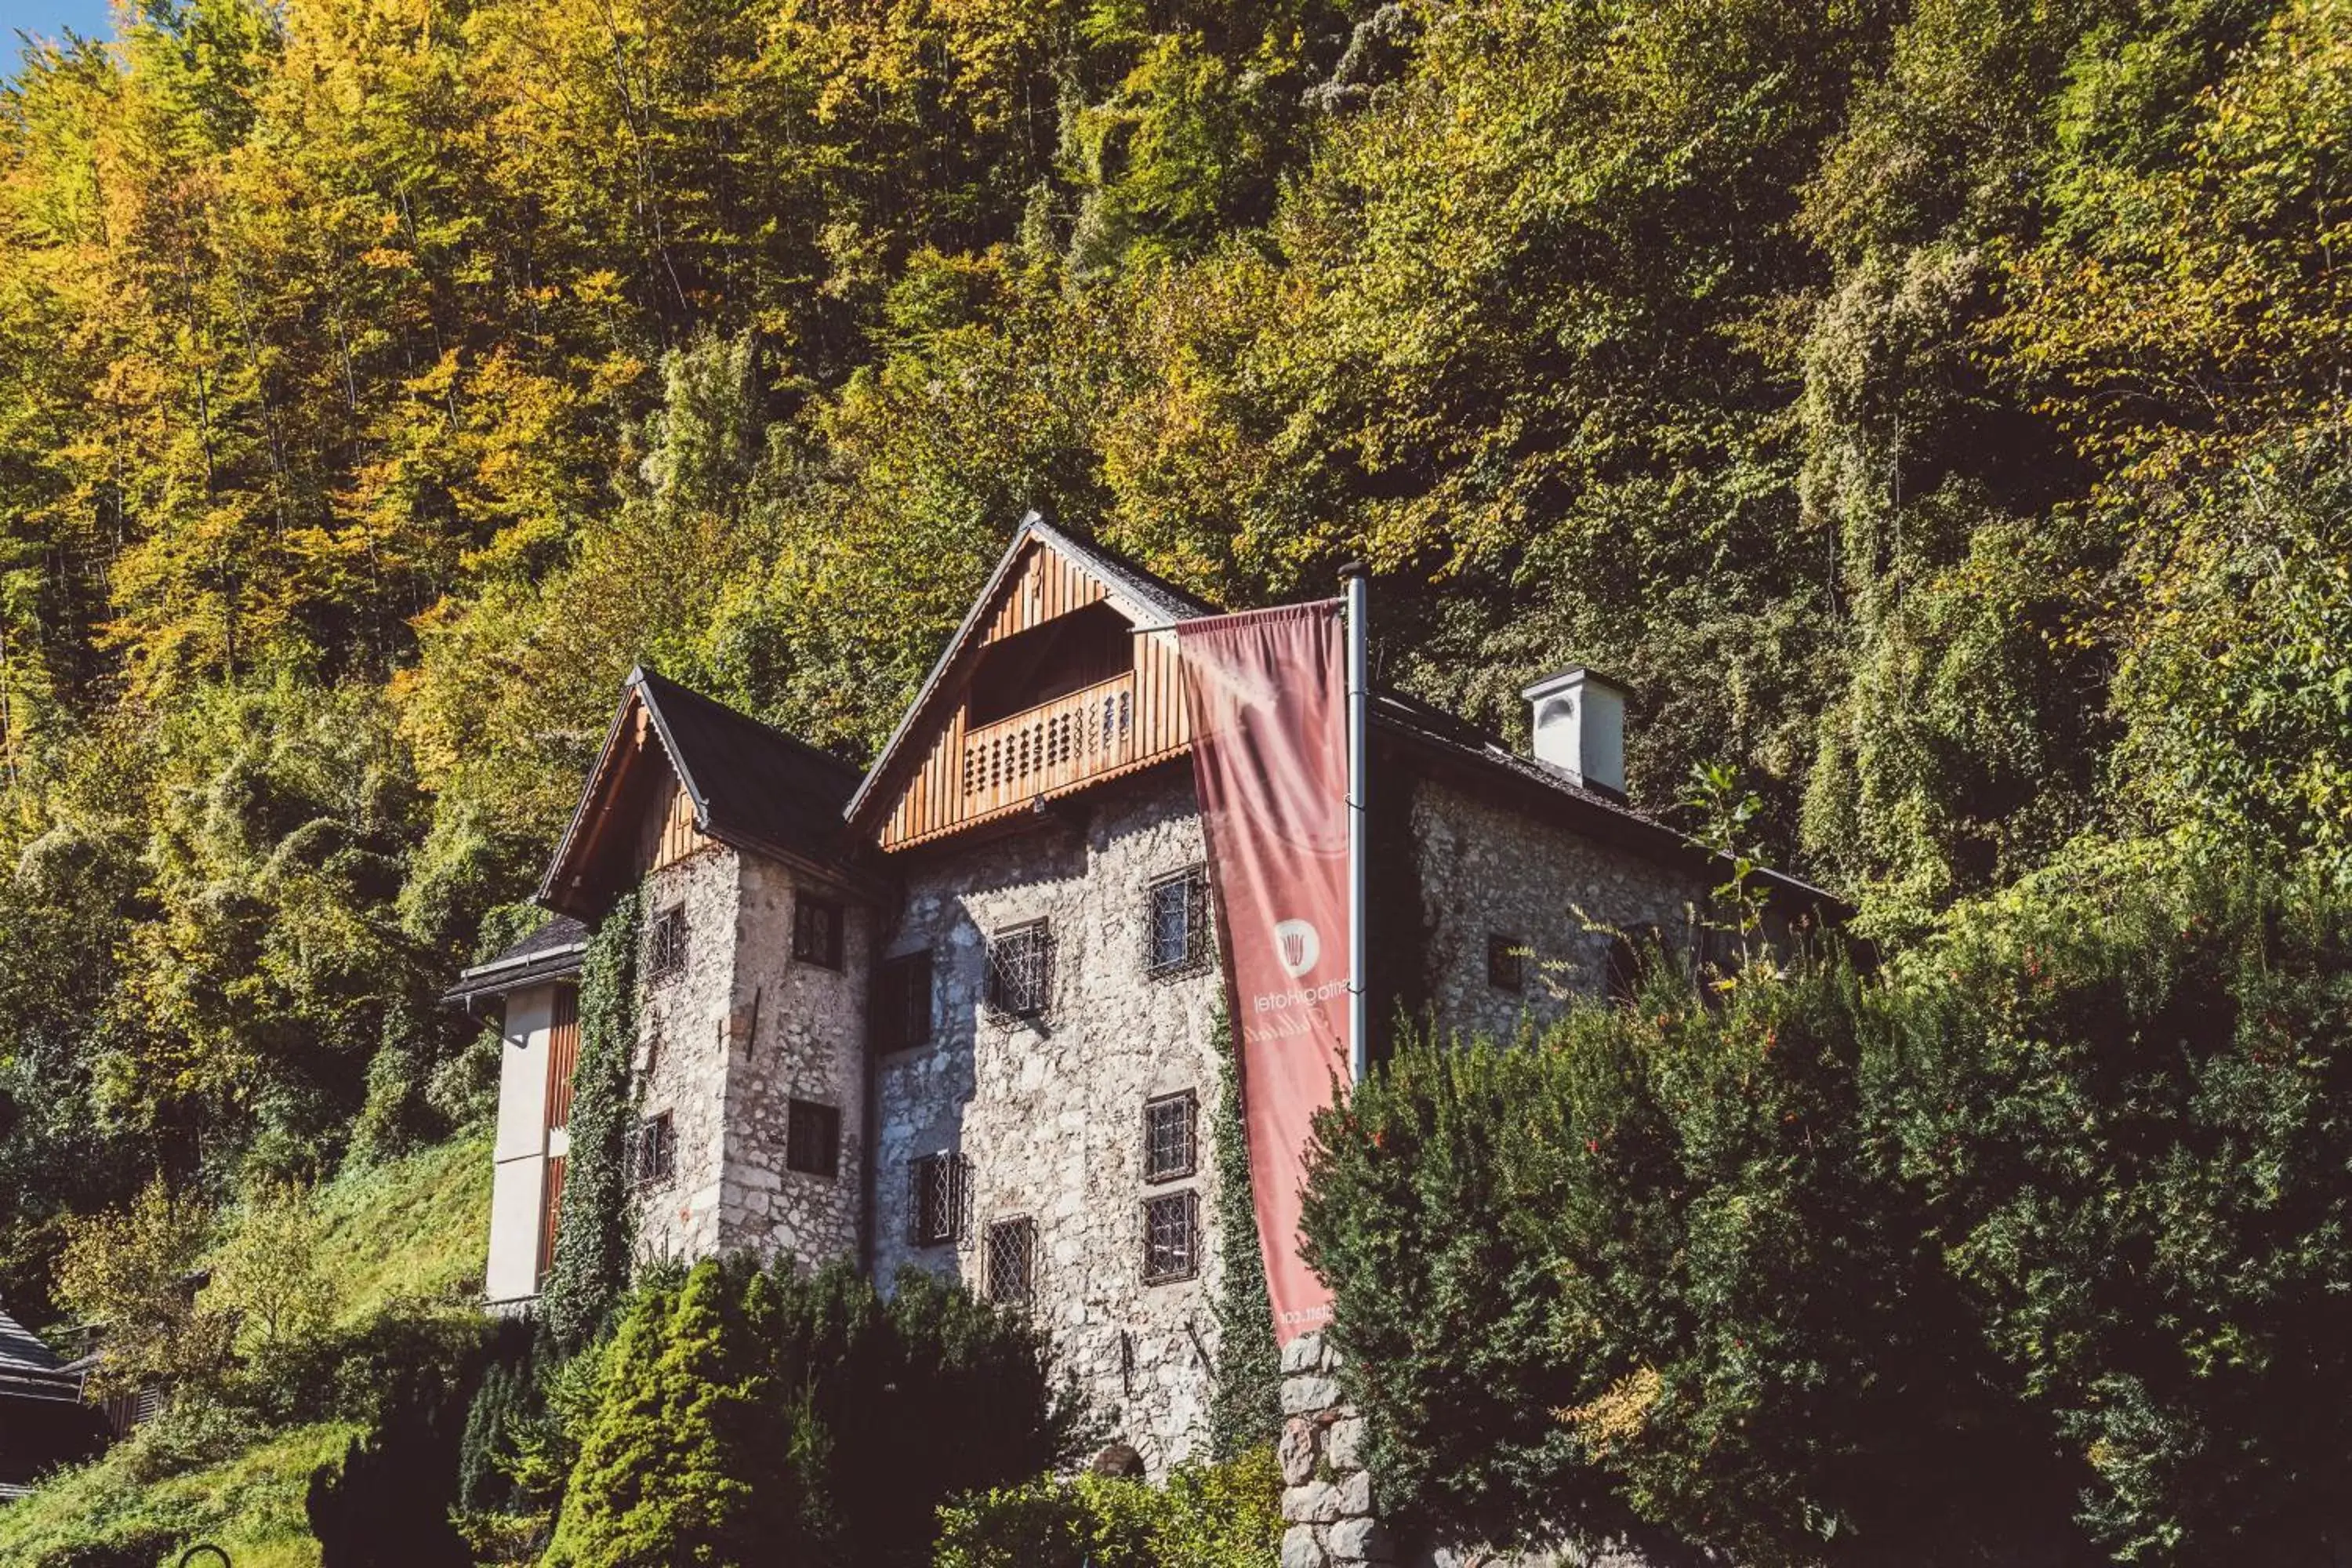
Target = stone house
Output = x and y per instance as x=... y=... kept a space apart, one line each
x=958 y=1014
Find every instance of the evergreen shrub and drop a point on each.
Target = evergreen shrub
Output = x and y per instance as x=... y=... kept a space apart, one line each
x=2035 y=1238
x=1227 y=1515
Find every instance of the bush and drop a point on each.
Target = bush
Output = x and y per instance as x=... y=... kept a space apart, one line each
x=1223 y=1516
x=1837 y=1269
x=742 y=1415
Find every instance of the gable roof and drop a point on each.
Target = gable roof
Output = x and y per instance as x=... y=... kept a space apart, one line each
x=751 y=785
x=1144 y=598
x=29 y=1369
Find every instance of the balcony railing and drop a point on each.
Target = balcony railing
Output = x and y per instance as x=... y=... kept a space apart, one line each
x=1089 y=731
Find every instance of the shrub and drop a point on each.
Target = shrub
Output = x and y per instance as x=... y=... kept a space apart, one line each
x=388 y=1506
x=2048 y=1217
x=740 y=1416
x=1223 y=1515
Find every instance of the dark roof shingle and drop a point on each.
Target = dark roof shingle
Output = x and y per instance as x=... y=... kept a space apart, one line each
x=752 y=784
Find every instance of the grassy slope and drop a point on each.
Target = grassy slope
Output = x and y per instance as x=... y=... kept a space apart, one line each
x=417 y=1226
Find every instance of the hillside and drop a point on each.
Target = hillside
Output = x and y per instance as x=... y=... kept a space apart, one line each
x=1934 y=408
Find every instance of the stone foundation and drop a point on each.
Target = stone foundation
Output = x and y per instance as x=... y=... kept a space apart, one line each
x=1326 y=1492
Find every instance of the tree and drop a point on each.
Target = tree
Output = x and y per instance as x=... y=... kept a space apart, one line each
x=129 y=1274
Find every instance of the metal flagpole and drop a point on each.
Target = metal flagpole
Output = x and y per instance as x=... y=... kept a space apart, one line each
x=1358 y=577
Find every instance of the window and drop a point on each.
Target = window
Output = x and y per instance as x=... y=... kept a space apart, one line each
x=1171 y=1227
x=816 y=932
x=902 y=1003
x=1178 y=923
x=940 y=1188
x=1020 y=971
x=653 y=1150
x=666 y=943
x=812 y=1138
x=1012 y=1259
x=1170 y=1147
x=1634 y=954
x=1506 y=962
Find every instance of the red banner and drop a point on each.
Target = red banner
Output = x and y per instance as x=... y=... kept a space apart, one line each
x=1270 y=763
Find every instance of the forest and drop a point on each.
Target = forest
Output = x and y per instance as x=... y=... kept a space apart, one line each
x=1937 y=409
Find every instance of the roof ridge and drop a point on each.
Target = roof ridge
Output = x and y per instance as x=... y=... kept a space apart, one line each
x=641 y=675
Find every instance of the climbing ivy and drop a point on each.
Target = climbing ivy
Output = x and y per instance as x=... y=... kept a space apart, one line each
x=1246 y=1406
x=592 y=1238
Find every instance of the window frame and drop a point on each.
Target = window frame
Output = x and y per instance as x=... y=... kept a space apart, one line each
x=666 y=948
x=657 y=1132
x=1012 y=1230
x=823 y=947
x=1506 y=963
x=955 y=1177
x=1184 y=1201
x=1189 y=1102
x=901 y=1022
x=1192 y=886
x=801 y=1115
x=999 y=942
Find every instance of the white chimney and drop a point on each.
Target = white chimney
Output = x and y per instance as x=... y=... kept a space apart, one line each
x=1579 y=724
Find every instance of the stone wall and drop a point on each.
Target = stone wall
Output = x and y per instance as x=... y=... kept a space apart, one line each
x=1486 y=869
x=681 y=1060
x=1049 y=1112
x=1326 y=1492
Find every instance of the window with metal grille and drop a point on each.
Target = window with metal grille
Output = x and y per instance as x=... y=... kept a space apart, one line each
x=1506 y=962
x=1012 y=1259
x=1170 y=1148
x=653 y=1150
x=902 y=1003
x=1178 y=923
x=812 y=1138
x=666 y=943
x=1020 y=971
x=816 y=932
x=940 y=1185
x=1171 y=1236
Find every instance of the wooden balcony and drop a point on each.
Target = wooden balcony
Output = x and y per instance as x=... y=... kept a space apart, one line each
x=1049 y=747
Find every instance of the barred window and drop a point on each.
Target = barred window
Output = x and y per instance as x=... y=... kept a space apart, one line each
x=666 y=943
x=939 y=1189
x=653 y=1150
x=1012 y=1259
x=816 y=932
x=812 y=1138
x=1171 y=1146
x=1020 y=971
x=902 y=1003
x=1171 y=1236
x=1177 y=922
x=1506 y=962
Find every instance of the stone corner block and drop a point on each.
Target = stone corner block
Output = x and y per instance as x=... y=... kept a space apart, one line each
x=1316 y=1502
x=1359 y=1541
x=1305 y=1395
x=1303 y=1353
x=1354 y=1490
x=1300 y=1549
x=1294 y=1452
x=1344 y=1445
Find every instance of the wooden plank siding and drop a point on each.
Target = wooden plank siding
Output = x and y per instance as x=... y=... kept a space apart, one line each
x=974 y=773
x=679 y=836
x=563 y=1056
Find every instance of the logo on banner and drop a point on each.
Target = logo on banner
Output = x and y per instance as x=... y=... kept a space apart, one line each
x=1298 y=944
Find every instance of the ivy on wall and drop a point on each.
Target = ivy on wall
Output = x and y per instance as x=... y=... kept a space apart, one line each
x=592 y=1238
x=1246 y=1406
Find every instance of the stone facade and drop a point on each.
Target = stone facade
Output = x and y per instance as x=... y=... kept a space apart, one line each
x=1327 y=1491
x=1049 y=1112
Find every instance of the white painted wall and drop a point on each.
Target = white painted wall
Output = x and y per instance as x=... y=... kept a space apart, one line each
x=520 y=1150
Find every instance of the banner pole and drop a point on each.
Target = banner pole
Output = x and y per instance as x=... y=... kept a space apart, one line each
x=1358 y=578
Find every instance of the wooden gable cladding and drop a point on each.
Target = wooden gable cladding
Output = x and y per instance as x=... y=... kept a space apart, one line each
x=982 y=762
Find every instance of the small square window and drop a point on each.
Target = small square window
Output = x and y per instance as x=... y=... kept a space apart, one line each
x=1506 y=962
x=1170 y=1145
x=939 y=1189
x=1171 y=1227
x=1178 y=923
x=666 y=943
x=1020 y=971
x=816 y=932
x=902 y=1003
x=812 y=1138
x=653 y=1150
x=1011 y=1260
